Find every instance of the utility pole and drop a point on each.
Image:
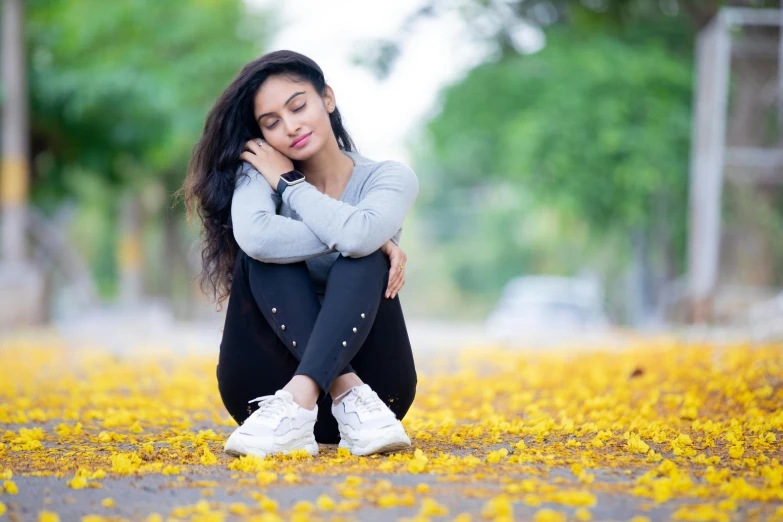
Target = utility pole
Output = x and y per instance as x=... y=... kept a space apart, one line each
x=21 y=285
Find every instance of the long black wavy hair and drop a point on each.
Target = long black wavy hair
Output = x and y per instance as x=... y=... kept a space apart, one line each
x=209 y=185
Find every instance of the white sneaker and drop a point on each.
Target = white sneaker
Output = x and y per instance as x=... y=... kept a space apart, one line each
x=279 y=425
x=366 y=423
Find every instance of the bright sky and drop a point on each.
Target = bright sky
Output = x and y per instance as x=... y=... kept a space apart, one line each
x=378 y=115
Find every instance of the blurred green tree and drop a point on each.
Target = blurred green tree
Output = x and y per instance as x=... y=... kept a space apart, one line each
x=119 y=92
x=595 y=125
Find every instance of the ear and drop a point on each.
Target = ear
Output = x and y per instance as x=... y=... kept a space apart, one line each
x=328 y=97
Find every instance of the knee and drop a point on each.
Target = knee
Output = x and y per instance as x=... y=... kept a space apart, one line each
x=268 y=267
x=375 y=254
x=376 y=260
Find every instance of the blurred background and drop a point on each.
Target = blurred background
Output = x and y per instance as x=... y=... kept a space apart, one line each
x=584 y=166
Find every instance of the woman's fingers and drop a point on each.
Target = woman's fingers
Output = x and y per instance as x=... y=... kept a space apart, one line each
x=393 y=275
x=248 y=156
x=394 y=272
x=401 y=279
x=252 y=159
x=252 y=153
x=254 y=147
x=398 y=284
x=397 y=277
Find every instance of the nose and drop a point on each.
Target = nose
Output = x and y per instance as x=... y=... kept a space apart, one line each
x=291 y=126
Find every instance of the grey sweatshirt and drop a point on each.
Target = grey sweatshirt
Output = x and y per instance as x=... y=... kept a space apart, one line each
x=307 y=225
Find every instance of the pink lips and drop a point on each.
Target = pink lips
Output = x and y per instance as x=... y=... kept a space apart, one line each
x=301 y=141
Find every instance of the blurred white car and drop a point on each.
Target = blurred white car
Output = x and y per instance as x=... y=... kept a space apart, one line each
x=548 y=308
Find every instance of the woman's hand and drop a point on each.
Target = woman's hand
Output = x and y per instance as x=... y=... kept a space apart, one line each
x=267 y=160
x=397 y=271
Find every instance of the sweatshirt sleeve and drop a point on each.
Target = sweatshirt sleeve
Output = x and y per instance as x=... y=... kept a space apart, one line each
x=260 y=232
x=358 y=230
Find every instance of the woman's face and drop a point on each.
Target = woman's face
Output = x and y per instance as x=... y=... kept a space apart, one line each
x=287 y=111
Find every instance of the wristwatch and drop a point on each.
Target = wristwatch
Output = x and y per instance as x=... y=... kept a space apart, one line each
x=292 y=177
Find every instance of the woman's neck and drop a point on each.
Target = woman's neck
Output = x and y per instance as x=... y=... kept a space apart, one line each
x=328 y=171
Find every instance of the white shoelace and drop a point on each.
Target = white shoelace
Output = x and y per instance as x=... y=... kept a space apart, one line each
x=367 y=401
x=269 y=405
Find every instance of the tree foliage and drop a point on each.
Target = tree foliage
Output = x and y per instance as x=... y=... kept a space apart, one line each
x=592 y=123
x=119 y=90
x=590 y=139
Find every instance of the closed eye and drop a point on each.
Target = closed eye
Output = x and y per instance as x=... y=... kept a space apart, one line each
x=295 y=110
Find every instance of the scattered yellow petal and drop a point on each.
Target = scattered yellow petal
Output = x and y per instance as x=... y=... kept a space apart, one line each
x=431 y=508
x=48 y=516
x=325 y=502
x=549 y=515
x=207 y=457
x=583 y=515
x=238 y=508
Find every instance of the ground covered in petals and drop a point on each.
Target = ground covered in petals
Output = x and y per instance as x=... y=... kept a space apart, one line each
x=655 y=431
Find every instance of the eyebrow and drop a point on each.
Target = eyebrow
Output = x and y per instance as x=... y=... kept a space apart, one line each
x=286 y=103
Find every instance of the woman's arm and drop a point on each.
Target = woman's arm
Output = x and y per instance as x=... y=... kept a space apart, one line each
x=358 y=230
x=260 y=232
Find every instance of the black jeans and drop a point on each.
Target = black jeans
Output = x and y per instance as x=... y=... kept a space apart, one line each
x=276 y=328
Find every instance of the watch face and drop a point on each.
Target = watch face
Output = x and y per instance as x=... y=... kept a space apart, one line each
x=293 y=175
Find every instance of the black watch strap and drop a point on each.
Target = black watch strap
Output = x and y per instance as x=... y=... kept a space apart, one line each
x=281 y=185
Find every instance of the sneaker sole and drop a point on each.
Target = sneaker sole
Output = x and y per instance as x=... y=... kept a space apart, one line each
x=394 y=441
x=236 y=446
